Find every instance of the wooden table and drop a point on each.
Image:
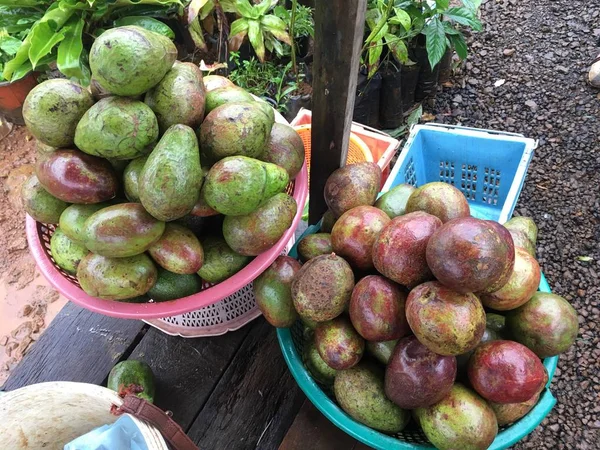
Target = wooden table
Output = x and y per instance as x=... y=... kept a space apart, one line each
x=228 y=392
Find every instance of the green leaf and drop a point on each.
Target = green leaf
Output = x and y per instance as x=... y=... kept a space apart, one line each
x=257 y=39
x=276 y=45
x=459 y=44
x=43 y=40
x=585 y=258
x=9 y=45
x=206 y=10
x=463 y=16
x=435 y=41
x=68 y=59
x=276 y=27
x=375 y=49
x=228 y=6
x=401 y=17
x=449 y=28
x=442 y=5
x=473 y=5
x=398 y=48
x=239 y=26
x=149 y=23
x=197 y=35
x=263 y=7
x=245 y=9
x=415 y=116
x=194 y=8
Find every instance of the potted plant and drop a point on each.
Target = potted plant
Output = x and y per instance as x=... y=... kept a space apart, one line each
x=15 y=23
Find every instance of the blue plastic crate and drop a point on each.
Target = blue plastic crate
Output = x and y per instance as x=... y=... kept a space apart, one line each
x=489 y=167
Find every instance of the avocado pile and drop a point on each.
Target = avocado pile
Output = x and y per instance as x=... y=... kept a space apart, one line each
x=158 y=178
x=417 y=315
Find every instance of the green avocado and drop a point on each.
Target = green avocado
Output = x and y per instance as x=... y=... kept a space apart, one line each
x=40 y=204
x=171 y=286
x=66 y=253
x=220 y=261
x=131 y=178
x=73 y=218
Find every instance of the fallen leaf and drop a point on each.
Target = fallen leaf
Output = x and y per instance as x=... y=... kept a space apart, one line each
x=427 y=117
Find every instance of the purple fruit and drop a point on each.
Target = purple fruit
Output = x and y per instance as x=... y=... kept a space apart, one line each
x=507 y=413
x=439 y=199
x=340 y=346
x=352 y=185
x=416 y=377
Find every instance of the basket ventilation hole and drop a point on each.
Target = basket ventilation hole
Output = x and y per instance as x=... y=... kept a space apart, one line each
x=410 y=175
x=447 y=172
x=491 y=186
x=468 y=181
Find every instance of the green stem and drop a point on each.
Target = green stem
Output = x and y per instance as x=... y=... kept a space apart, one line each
x=380 y=25
x=292 y=21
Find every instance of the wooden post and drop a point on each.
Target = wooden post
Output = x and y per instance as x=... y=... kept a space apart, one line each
x=339 y=28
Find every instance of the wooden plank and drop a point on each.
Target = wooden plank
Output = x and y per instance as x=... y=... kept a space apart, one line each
x=310 y=426
x=255 y=401
x=79 y=345
x=186 y=370
x=339 y=27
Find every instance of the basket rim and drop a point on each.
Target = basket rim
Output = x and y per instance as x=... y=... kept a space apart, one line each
x=157 y=310
x=378 y=440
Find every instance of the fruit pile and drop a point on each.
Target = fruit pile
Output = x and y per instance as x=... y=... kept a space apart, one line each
x=412 y=308
x=157 y=177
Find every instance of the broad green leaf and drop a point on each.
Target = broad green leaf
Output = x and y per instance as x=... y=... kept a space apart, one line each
x=372 y=17
x=257 y=39
x=459 y=44
x=194 y=8
x=43 y=40
x=228 y=6
x=435 y=41
x=398 y=48
x=68 y=59
x=442 y=5
x=401 y=17
x=22 y=3
x=375 y=49
x=449 y=28
x=377 y=31
x=197 y=35
x=415 y=116
x=473 y=5
x=263 y=7
x=25 y=68
x=207 y=9
x=272 y=22
x=239 y=26
x=9 y=45
x=245 y=9
x=149 y=23
x=277 y=47
x=463 y=16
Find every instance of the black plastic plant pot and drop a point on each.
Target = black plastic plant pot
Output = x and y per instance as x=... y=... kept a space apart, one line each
x=446 y=66
x=428 y=77
x=390 y=99
x=295 y=104
x=410 y=78
x=366 y=105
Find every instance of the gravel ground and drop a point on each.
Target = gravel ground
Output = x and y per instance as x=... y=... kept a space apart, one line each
x=542 y=49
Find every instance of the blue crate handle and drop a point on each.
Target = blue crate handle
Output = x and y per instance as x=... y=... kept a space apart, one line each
x=485 y=130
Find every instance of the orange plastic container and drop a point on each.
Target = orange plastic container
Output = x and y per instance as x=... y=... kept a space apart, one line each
x=381 y=145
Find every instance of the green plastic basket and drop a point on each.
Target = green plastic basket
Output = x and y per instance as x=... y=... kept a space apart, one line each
x=291 y=342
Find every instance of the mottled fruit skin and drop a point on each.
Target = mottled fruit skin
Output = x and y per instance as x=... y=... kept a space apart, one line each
x=377 y=309
x=273 y=292
x=462 y=360
x=355 y=232
x=506 y=372
x=446 y=322
x=118 y=128
x=359 y=391
x=129 y=60
x=399 y=250
x=257 y=232
x=237 y=185
x=121 y=230
x=73 y=218
x=352 y=185
x=521 y=285
x=39 y=204
x=171 y=286
x=52 y=110
x=130 y=372
x=547 y=324
x=178 y=250
x=170 y=180
x=393 y=202
x=178 y=98
x=212 y=82
x=66 y=253
x=416 y=377
x=468 y=254
x=317 y=368
x=285 y=148
x=131 y=178
x=510 y=255
x=267 y=109
x=322 y=288
x=328 y=221
x=525 y=225
x=313 y=245
x=340 y=346
x=116 y=278
x=201 y=208
x=520 y=239
x=220 y=261
x=439 y=199
x=462 y=420
x=507 y=413
x=74 y=177
x=226 y=94
x=381 y=351
x=235 y=129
